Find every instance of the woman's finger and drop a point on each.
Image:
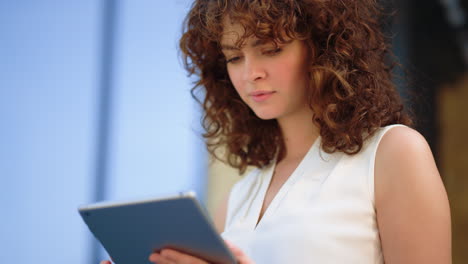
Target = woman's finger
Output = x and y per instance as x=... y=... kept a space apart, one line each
x=105 y=262
x=157 y=258
x=181 y=258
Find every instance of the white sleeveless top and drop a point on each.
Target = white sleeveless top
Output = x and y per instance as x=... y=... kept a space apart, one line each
x=324 y=212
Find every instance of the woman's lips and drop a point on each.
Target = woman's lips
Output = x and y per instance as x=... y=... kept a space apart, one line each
x=260 y=96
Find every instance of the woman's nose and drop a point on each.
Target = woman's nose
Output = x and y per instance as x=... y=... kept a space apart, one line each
x=254 y=70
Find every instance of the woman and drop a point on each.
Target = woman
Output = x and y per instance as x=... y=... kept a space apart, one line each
x=302 y=91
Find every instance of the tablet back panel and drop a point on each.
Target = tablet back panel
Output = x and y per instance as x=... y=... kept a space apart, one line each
x=131 y=232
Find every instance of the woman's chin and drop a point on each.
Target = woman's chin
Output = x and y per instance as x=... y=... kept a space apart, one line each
x=265 y=116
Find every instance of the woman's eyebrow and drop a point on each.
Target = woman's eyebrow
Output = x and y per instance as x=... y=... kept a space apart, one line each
x=260 y=42
x=255 y=43
x=229 y=47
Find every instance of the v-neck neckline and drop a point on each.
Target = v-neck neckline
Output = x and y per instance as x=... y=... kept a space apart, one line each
x=283 y=190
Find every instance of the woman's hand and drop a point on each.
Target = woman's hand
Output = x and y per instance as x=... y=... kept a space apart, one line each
x=169 y=256
x=105 y=262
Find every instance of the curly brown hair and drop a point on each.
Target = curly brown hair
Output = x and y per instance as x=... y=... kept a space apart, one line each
x=352 y=92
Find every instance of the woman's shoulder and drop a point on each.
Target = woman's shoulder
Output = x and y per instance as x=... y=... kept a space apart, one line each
x=402 y=150
x=404 y=161
x=408 y=191
x=396 y=136
x=399 y=142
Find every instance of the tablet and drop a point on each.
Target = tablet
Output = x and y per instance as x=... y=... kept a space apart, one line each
x=131 y=231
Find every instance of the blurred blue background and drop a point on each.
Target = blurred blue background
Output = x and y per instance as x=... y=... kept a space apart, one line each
x=94 y=104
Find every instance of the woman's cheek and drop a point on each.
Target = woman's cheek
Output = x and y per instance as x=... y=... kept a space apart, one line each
x=237 y=83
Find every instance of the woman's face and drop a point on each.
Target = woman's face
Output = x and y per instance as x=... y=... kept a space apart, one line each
x=271 y=80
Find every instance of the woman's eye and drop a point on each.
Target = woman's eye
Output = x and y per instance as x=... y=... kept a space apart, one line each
x=272 y=51
x=232 y=60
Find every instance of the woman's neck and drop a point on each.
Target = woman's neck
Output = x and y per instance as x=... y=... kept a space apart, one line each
x=299 y=133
